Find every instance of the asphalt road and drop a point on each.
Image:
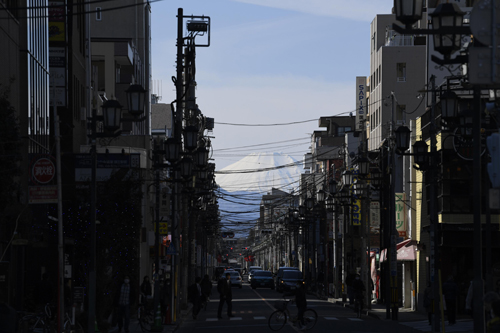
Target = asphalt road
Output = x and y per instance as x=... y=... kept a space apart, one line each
x=252 y=308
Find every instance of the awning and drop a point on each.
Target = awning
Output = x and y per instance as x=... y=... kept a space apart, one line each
x=407 y=251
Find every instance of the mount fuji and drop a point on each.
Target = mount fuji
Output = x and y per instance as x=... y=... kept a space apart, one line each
x=259 y=172
x=242 y=185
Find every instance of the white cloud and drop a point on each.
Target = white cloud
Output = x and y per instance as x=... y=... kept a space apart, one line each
x=359 y=10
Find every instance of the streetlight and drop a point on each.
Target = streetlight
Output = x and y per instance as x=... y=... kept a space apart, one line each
x=112 y=116
x=449 y=17
x=408 y=12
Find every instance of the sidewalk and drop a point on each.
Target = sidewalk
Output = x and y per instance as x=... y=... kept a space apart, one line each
x=379 y=311
x=410 y=318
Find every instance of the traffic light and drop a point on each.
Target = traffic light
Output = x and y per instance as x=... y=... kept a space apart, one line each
x=493 y=142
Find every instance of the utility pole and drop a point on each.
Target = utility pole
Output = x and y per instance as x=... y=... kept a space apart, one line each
x=393 y=297
x=434 y=227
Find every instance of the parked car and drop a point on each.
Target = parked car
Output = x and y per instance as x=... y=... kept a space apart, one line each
x=279 y=275
x=289 y=280
x=235 y=278
x=251 y=273
x=262 y=279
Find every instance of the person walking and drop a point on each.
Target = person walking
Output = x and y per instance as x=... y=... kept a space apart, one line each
x=206 y=288
x=226 y=295
x=358 y=289
x=195 y=295
x=450 y=292
x=124 y=299
x=146 y=290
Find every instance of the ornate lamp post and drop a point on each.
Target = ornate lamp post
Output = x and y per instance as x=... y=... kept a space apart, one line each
x=112 y=116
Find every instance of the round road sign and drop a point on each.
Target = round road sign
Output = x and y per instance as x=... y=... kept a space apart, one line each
x=43 y=170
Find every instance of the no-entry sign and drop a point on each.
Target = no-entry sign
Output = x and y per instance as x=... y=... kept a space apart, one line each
x=43 y=170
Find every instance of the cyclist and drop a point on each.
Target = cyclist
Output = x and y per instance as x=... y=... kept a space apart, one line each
x=300 y=301
x=359 y=290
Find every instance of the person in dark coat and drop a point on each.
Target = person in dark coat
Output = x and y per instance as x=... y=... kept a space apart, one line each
x=358 y=289
x=146 y=290
x=123 y=300
x=450 y=292
x=300 y=301
x=195 y=296
x=226 y=295
x=206 y=288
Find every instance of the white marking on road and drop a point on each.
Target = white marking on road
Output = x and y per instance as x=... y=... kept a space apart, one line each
x=259 y=318
x=212 y=319
x=355 y=319
x=236 y=318
x=331 y=318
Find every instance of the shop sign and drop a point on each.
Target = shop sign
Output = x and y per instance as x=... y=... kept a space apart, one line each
x=401 y=214
x=356 y=212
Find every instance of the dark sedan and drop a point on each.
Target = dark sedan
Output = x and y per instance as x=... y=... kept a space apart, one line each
x=289 y=280
x=262 y=279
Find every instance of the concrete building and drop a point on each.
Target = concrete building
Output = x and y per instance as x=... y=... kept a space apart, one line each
x=397 y=74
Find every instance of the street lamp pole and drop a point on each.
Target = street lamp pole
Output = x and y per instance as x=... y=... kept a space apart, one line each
x=92 y=230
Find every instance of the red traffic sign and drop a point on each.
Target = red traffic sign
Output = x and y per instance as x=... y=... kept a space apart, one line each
x=43 y=170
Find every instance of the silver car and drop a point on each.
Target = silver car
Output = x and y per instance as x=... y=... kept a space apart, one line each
x=235 y=278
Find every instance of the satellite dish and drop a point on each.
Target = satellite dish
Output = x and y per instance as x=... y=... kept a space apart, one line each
x=480 y=21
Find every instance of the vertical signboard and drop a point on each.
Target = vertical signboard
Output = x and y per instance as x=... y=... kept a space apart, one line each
x=361 y=107
x=375 y=217
x=401 y=214
x=356 y=212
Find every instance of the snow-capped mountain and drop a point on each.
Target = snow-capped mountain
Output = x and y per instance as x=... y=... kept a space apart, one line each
x=245 y=182
x=259 y=172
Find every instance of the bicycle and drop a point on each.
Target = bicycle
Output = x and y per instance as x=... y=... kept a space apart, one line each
x=146 y=316
x=37 y=323
x=70 y=326
x=358 y=304
x=278 y=318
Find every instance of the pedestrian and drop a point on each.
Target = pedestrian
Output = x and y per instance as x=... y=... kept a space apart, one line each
x=493 y=325
x=350 y=291
x=206 y=288
x=44 y=292
x=123 y=300
x=358 y=289
x=195 y=296
x=488 y=299
x=300 y=302
x=146 y=290
x=450 y=292
x=428 y=302
x=226 y=295
x=468 y=300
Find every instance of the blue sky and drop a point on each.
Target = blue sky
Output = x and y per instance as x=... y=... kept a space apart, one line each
x=269 y=62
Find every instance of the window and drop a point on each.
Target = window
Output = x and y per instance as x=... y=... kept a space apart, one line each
x=342 y=130
x=401 y=71
x=98 y=14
